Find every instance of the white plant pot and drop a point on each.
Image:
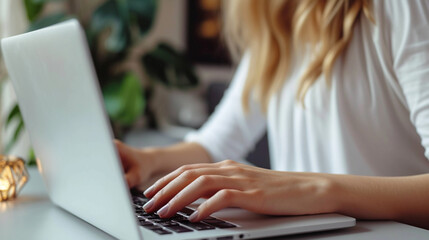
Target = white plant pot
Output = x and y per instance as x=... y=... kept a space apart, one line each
x=178 y=112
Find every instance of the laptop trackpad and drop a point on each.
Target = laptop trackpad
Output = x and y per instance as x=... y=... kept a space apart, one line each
x=249 y=220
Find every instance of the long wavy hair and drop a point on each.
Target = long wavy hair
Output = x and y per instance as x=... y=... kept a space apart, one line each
x=273 y=30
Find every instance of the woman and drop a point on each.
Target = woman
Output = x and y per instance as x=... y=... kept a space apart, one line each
x=342 y=87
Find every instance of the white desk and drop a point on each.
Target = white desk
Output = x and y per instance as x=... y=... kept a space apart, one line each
x=33 y=216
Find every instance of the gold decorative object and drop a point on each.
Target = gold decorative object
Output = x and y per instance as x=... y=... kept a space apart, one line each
x=13 y=176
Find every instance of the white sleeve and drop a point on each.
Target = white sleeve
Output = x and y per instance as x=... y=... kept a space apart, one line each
x=230 y=133
x=410 y=50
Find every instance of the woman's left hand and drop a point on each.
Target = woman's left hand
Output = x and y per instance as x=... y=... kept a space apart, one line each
x=231 y=184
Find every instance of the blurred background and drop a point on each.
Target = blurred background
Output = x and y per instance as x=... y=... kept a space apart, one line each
x=161 y=64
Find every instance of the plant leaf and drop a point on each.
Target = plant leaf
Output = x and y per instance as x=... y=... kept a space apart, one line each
x=48 y=21
x=112 y=99
x=124 y=99
x=31 y=161
x=14 y=113
x=16 y=135
x=110 y=15
x=46 y=1
x=169 y=67
x=143 y=12
x=33 y=8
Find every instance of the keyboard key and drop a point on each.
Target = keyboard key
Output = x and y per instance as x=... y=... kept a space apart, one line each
x=139 y=204
x=162 y=231
x=140 y=210
x=160 y=220
x=137 y=198
x=146 y=224
x=178 y=218
x=199 y=226
x=168 y=224
x=151 y=216
x=162 y=226
x=179 y=229
x=141 y=218
x=187 y=211
x=218 y=223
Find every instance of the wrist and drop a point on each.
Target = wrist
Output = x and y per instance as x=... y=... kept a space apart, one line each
x=366 y=197
x=151 y=159
x=334 y=193
x=347 y=194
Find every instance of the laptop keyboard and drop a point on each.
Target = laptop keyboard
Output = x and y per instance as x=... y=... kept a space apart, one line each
x=178 y=223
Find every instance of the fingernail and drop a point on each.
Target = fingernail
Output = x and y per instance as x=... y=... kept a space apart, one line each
x=193 y=216
x=148 y=191
x=163 y=211
x=148 y=205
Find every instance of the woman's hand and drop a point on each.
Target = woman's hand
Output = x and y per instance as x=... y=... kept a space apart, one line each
x=230 y=184
x=133 y=160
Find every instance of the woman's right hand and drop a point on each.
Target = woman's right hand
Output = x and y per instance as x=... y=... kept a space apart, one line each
x=133 y=160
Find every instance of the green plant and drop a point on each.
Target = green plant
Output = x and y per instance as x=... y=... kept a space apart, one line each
x=115 y=28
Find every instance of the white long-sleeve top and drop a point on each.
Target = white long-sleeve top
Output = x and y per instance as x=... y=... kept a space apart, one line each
x=374 y=120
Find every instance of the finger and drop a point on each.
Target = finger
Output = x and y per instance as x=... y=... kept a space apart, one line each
x=161 y=183
x=227 y=165
x=162 y=195
x=133 y=177
x=222 y=199
x=203 y=185
x=176 y=185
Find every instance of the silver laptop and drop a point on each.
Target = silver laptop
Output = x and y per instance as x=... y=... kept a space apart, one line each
x=62 y=106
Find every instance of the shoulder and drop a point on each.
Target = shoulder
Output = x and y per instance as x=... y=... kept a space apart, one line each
x=403 y=24
x=401 y=13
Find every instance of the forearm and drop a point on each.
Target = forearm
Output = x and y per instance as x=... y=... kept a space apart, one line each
x=170 y=158
x=404 y=199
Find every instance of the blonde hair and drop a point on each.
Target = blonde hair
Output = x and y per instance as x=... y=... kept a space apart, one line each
x=272 y=30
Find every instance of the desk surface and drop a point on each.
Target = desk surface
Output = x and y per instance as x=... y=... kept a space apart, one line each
x=33 y=216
